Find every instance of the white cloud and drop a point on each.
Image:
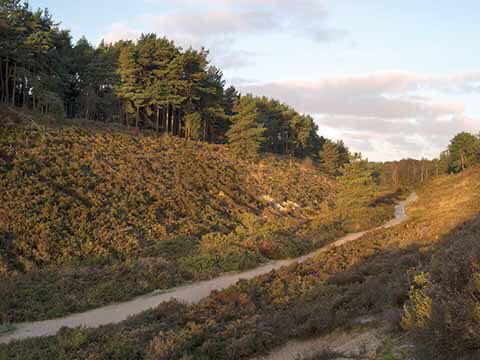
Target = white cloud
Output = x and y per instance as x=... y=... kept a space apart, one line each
x=373 y=95
x=212 y=24
x=217 y=25
x=306 y=18
x=380 y=111
x=120 y=31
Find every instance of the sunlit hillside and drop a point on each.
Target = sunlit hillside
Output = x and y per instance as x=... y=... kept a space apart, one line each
x=103 y=214
x=378 y=275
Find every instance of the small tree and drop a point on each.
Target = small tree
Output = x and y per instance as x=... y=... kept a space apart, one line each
x=303 y=139
x=443 y=163
x=329 y=158
x=356 y=186
x=344 y=155
x=464 y=150
x=246 y=135
x=193 y=126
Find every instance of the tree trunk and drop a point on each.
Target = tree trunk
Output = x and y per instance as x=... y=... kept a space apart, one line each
x=2 y=86
x=24 y=97
x=14 y=83
x=180 y=127
x=167 y=114
x=158 y=119
x=174 y=130
x=169 y=119
x=204 y=130
x=5 y=94
x=164 y=120
x=137 y=118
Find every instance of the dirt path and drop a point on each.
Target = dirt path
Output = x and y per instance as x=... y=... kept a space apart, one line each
x=348 y=343
x=189 y=293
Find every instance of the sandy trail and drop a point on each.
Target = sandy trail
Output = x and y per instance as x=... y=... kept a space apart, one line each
x=348 y=343
x=189 y=293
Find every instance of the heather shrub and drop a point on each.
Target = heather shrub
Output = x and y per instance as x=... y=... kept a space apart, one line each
x=92 y=215
x=443 y=312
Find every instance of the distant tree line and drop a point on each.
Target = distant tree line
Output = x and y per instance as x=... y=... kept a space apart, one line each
x=407 y=172
x=462 y=153
x=148 y=84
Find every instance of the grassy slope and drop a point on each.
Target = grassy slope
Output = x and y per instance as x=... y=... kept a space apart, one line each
x=369 y=276
x=91 y=215
x=442 y=315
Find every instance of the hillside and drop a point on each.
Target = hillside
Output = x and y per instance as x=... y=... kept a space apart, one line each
x=95 y=214
x=372 y=276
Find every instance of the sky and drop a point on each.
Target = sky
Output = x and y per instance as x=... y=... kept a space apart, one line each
x=392 y=79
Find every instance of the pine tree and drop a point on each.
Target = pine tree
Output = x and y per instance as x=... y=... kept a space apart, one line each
x=356 y=186
x=303 y=137
x=329 y=158
x=210 y=94
x=193 y=126
x=344 y=155
x=464 y=150
x=153 y=81
x=130 y=88
x=165 y=54
x=230 y=100
x=246 y=135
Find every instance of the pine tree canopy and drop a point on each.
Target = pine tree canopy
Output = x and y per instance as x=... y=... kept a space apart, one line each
x=151 y=84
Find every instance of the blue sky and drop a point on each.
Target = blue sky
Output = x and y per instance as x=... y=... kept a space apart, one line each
x=391 y=78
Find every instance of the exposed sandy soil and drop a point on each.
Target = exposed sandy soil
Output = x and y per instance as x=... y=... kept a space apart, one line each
x=363 y=341
x=189 y=293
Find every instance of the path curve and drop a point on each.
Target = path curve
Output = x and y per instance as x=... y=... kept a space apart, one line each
x=189 y=293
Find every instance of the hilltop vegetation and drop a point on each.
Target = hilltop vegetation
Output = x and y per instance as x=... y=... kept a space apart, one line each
x=150 y=84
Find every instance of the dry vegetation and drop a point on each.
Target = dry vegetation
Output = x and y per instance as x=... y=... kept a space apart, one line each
x=89 y=216
x=373 y=275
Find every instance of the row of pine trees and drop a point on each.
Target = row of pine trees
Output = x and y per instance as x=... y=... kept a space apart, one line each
x=153 y=84
x=148 y=84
